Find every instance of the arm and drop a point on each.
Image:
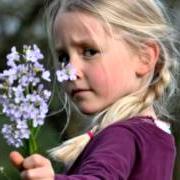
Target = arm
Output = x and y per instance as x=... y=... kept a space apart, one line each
x=110 y=155
x=112 y=158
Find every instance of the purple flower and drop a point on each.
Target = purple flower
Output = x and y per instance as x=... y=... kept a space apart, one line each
x=37 y=52
x=46 y=94
x=18 y=93
x=46 y=76
x=37 y=67
x=12 y=57
x=66 y=73
x=61 y=75
x=24 y=99
x=14 y=134
x=9 y=76
x=33 y=54
x=71 y=71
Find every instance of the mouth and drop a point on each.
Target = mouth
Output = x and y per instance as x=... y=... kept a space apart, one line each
x=78 y=92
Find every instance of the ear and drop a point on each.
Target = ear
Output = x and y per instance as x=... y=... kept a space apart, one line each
x=148 y=58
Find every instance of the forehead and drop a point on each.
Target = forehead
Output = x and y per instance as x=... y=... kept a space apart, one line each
x=76 y=26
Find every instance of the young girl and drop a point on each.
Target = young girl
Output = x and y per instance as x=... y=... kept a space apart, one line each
x=124 y=55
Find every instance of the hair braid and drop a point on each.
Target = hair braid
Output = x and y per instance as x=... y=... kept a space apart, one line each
x=135 y=104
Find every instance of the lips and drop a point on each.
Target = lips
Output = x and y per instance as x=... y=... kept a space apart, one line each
x=75 y=92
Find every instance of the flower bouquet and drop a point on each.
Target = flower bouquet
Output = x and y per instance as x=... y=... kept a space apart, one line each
x=24 y=98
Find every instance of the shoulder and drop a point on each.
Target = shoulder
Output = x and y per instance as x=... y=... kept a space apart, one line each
x=116 y=148
x=128 y=137
x=118 y=136
x=112 y=151
x=127 y=127
x=135 y=130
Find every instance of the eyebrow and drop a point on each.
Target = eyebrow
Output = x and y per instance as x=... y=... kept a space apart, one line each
x=80 y=43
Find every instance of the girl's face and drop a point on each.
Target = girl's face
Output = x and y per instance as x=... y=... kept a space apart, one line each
x=106 y=68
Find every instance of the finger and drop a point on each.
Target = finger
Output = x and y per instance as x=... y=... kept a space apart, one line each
x=41 y=173
x=16 y=159
x=34 y=161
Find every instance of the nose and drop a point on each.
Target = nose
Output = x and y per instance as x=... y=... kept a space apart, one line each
x=77 y=63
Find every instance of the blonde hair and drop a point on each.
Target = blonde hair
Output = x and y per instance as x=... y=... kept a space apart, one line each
x=140 y=20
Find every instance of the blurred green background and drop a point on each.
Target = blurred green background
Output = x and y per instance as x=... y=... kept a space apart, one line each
x=22 y=22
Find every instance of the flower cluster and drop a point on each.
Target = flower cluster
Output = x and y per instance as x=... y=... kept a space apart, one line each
x=23 y=96
x=66 y=73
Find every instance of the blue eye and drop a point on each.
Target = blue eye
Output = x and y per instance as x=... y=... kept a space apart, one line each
x=89 y=52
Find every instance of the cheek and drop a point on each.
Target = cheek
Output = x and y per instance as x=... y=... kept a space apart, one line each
x=99 y=80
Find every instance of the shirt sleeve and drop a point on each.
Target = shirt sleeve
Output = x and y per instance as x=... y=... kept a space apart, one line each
x=111 y=158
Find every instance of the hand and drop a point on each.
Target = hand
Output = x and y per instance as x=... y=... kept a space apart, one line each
x=34 y=167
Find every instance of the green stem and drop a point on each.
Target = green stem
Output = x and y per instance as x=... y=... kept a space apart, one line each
x=37 y=132
x=27 y=90
x=32 y=144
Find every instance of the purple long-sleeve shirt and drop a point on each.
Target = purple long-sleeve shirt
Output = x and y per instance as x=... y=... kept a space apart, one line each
x=135 y=149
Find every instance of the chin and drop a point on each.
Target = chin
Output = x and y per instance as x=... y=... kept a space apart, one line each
x=89 y=111
x=89 y=108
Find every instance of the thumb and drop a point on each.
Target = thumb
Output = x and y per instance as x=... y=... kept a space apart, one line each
x=16 y=159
